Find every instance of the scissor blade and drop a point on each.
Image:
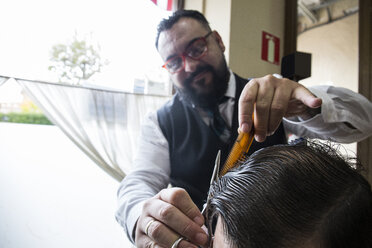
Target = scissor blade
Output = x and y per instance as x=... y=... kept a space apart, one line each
x=216 y=168
x=213 y=178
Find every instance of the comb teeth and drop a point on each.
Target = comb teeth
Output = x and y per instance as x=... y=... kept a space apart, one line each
x=241 y=160
x=239 y=152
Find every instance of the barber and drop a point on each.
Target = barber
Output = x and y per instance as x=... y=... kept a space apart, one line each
x=179 y=142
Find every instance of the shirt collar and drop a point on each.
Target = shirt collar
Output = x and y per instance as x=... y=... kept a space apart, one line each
x=230 y=92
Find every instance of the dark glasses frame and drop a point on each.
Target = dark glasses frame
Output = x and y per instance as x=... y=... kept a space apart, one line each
x=188 y=53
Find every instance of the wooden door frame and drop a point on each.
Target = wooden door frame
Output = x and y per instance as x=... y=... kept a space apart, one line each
x=364 y=148
x=290 y=27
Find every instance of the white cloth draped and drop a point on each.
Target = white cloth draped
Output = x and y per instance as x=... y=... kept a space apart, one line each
x=103 y=123
x=3 y=80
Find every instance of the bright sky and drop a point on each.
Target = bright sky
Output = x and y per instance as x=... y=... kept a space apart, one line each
x=124 y=29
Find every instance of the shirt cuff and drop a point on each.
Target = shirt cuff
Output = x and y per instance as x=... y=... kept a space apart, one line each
x=132 y=221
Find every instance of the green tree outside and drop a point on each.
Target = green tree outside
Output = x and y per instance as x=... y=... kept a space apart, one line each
x=76 y=61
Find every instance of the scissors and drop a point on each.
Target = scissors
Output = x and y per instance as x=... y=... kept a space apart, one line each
x=214 y=178
x=238 y=153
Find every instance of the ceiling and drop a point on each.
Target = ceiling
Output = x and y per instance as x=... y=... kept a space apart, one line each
x=312 y=13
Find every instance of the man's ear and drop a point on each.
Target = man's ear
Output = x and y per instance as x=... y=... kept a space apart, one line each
x=219 y=40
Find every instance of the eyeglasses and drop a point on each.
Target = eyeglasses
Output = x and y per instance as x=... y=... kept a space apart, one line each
x=195 y=50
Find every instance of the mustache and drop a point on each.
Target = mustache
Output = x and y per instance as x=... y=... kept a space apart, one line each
x=198 y=70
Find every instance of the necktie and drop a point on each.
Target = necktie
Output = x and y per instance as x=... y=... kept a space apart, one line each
x=219 y=127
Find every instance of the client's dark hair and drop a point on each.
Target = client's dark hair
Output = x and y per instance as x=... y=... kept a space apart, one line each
x=168 y=23
x=288 y=195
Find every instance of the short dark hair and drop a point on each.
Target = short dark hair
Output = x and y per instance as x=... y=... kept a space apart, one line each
x=167 y=23
x=288 y=194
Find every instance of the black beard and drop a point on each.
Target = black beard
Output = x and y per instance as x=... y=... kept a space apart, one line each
x=210 y=99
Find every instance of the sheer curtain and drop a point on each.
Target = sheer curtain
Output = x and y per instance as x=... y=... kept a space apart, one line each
x=103 y=123
x=3 y=80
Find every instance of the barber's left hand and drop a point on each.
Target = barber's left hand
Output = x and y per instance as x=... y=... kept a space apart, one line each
x=271 y=99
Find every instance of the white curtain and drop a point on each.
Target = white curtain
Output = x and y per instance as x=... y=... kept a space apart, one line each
x=3 y=80
x=103 y=123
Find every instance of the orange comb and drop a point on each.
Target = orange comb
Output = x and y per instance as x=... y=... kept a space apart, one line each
x=238 y=151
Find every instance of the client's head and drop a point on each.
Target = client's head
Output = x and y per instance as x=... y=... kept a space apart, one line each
x=304 y=195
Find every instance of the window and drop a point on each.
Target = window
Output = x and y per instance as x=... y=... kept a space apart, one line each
x=124 y=31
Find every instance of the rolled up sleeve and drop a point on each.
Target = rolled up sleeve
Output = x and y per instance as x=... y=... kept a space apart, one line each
x=150 y=174
x=345 y=117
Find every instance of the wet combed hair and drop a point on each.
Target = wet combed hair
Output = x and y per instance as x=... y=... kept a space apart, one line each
x=288 y=195
x=168 y=23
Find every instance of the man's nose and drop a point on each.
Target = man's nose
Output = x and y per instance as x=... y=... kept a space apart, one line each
x=190 y=64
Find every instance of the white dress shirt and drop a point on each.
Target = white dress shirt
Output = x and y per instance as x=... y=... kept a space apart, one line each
x=151 y=167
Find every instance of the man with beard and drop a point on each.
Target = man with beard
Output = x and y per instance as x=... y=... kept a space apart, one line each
x=179 y=142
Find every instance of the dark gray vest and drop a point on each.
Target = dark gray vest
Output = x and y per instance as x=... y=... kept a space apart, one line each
x=193 y=146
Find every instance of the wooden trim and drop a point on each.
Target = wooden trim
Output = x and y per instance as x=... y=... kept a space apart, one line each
x=290 y=27
x=180 y=4
x=364 y=148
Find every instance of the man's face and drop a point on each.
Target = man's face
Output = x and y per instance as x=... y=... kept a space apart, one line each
x=200 y=81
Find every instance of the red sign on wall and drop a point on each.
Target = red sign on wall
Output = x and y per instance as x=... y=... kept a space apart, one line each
x=164 y=4
x=270 y=48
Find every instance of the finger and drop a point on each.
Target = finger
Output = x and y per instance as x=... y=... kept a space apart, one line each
x=278 y=108
x=149 y=227
x=247 y=100
x=179 y=198
x=184 y=243
x=306 y=97
x=262 y=111
x=145 y=242
x=156 y=228
x=182 y=215
x=295 y=108
x=165 y=237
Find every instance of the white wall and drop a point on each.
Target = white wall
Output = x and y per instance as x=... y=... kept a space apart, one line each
x=334 y=49
x=240 y=24
x=248 y=20
x=218 y=14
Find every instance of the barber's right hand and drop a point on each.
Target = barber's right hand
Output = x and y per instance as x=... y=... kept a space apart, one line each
x=166 y=217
